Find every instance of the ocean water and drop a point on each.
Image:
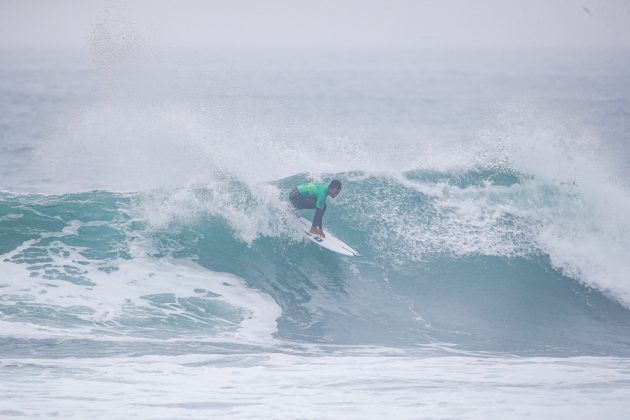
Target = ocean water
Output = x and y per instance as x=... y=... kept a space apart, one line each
x=147 y=270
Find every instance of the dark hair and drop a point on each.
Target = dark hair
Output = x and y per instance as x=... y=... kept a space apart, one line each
x=335 y=184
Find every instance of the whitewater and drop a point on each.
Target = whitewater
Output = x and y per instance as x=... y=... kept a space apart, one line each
x=147 y=270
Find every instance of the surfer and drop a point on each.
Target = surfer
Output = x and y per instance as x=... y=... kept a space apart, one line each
x=312 y=195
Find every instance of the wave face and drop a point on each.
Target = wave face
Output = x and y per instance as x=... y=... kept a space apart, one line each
x=472 y=260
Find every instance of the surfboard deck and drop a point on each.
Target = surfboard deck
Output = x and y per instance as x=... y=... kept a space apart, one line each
x=330 y=242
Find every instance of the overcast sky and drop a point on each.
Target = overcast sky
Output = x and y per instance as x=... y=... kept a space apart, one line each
x=323 y=23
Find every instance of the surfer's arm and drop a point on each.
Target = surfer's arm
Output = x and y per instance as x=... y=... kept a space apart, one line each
x=317 y=219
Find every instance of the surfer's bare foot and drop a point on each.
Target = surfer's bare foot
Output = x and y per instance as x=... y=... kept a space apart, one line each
x=321 y=233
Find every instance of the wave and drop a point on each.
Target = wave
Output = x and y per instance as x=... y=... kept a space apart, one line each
x=485 y=259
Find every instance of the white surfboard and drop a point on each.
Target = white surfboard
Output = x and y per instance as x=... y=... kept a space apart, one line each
x=329 y=242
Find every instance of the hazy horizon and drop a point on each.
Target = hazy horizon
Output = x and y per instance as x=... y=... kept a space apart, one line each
x=345 y=24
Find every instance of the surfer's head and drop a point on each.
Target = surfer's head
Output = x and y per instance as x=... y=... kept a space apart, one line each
x=334 y=187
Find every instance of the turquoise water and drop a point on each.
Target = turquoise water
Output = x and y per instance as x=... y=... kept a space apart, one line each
x=142 y=229
x=502 y=295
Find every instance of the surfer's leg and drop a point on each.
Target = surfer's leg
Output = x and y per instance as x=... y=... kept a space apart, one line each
x=300 y=202
x=295 y=198
x=319 y=214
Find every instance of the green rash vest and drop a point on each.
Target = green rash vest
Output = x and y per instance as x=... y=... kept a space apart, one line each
x=315 y=190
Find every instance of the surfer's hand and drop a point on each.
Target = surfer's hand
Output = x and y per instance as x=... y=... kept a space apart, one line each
x=317 y=231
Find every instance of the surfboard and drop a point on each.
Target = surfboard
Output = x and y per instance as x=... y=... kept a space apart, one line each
x=329 y=242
